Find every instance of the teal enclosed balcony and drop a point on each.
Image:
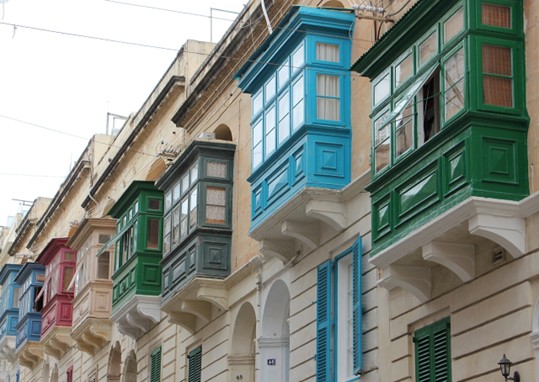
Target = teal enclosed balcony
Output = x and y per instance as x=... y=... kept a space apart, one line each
x=9 y=311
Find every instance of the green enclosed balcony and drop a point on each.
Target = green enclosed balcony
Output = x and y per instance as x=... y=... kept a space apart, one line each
x=449 y=139
x=138 y=251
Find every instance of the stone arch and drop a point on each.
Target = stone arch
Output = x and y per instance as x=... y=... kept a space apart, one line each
x=115 y=362
x=223 y=133
x=130 y=368
x=157 y=169
x=333 y=4
x=242 y=355
x=274 y=343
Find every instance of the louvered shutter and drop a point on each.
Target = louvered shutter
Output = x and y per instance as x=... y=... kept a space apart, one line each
x=155 y=367
x=433 y=352
x=195 y=365
x=356 y=312
x=323 y=323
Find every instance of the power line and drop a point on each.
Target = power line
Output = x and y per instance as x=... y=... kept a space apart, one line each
x=87 y=36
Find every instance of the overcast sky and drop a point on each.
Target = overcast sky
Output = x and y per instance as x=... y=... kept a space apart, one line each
x=56 y=89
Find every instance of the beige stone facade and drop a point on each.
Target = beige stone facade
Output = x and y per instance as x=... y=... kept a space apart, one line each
x=268 y=310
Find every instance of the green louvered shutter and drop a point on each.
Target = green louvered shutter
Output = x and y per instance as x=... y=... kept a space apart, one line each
x=155 y=365
x=356 y=312
x=323 y=323
x=195 y=365
x=433 y=352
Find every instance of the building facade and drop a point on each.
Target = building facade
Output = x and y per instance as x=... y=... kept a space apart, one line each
x=333 y=192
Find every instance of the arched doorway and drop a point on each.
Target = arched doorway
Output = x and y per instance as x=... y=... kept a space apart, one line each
x=115 y=361
x=274 y=344
x=130 y=368
x=242 y=355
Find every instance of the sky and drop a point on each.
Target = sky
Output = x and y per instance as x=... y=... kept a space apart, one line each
x=56 y=86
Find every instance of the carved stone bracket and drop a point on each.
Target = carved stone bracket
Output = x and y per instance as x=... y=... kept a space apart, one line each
x=417 y=280
x=509 y=232
x=281 y=249
x=459 y=258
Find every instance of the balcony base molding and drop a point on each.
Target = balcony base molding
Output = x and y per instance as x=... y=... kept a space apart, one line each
x=138 y=316
x=30 y=354
x=7 y=349
x=57 y=341
x=193 y=305
x=500 y=221
x=92 y=334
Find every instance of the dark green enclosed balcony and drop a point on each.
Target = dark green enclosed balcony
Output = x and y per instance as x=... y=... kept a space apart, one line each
x=449 y=138
x=138 y=251
x=197 y=232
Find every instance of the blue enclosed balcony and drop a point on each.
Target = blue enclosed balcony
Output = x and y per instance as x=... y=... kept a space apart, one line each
x=299 y=82
x=28 y=348
x=9 y=311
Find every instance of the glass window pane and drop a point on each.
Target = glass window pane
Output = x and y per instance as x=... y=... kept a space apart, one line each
x=404 y=70
x=176 y=193
x=185 y=183
x=215 y=205
x=257 y=155
x=428 y=48
x=284 y=117
x=381 y=128
x=298 y=111
x=404 y=127
x=283 y=74
x=176 y=226
x=217 y=169
x=257 y=133
x=193 y=202
x=497 y=72
x=327 y=108
x=194 y=173
x=168 y=200
x=496 y=15
x=454 y=84
x=257 y=103
x=382 y=89
x=327 y=52
x=103 y=262
x=68 y=276
x=270 y=131
x=183 y=218
x=454 y=25
x=152 y=240
x=154 y=204
x=298 y=59
x=270 y=89
x=381 y=156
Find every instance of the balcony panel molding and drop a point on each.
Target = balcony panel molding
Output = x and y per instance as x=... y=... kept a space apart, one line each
x=415 y=279
x=459 y=258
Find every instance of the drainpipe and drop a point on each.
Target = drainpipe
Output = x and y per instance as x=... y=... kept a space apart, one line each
x=262 y=3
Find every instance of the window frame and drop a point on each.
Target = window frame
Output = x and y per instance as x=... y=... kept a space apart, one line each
x=194 y=360
x=155 y=364
x=327 y=346
x=423 y=340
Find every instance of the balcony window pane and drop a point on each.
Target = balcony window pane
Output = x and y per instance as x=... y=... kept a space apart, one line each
x=270 y=131
x=283 y=74
x=154 y=204
x=454 y=25
x=327 y=52
x=175 y=226
x=103 y=266
x=404 y=128
x=454 y=84
x=70 y=256
x=327 y=97
x=496 y=15
x=152 y=241
x=257 y=143
x=215 y=205
x=257 y=103
x=270 y=89
x=68 y=276
x=176 y=192
x=217 y=169
x=16 y=294
x=497 y=76
x=382 y=89
x=194 y=173
x=404 y=70
x=183 y=218
x=284 y=117
x=428 y=48
x=168 y=200
x=193 y=203
x=298 y=93
x=298 y=59
x=185 y=184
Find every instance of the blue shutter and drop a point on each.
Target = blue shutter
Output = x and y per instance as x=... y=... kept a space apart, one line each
x=356 y=301
x=323 y=323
